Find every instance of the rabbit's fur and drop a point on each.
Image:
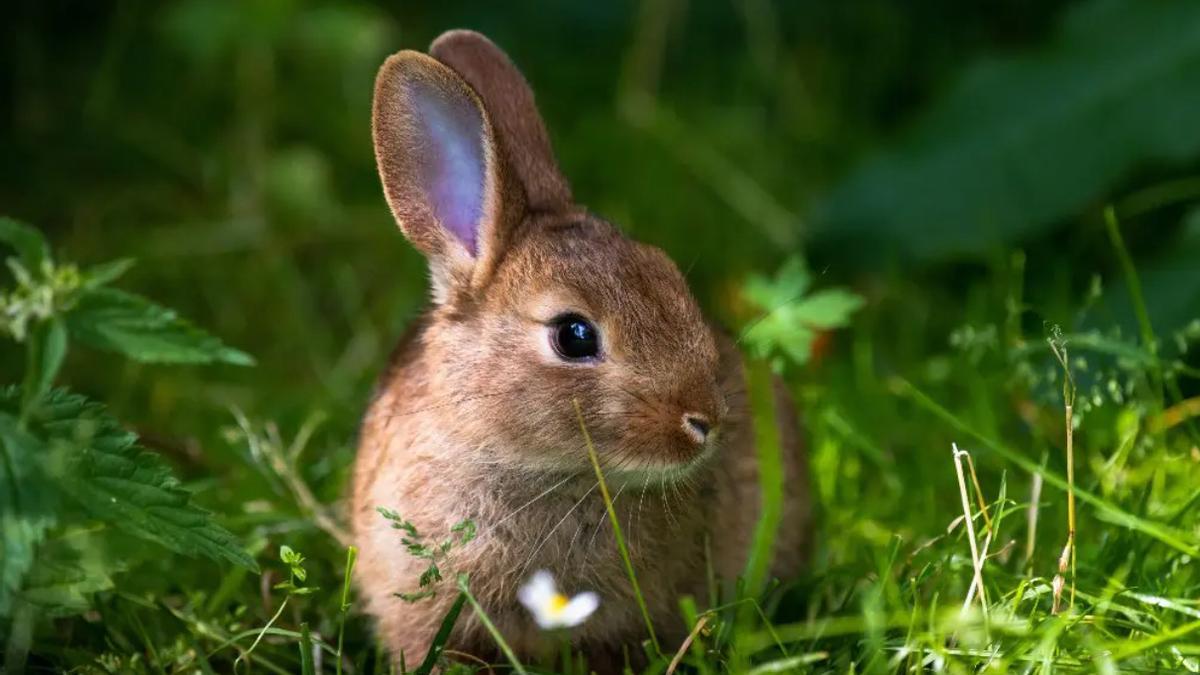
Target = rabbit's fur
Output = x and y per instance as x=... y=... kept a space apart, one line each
x=475 y=417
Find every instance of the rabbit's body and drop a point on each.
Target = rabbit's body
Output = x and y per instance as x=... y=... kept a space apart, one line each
x=540 y=306
x=532 y=519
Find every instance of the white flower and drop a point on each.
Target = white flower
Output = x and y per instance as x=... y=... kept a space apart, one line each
x=552 y=609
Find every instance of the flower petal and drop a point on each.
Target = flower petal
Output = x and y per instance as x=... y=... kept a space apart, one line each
x=537 y=593
x=579 y=608
x=547 y=620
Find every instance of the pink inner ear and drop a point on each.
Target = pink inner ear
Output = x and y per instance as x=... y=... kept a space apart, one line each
x=452 y=160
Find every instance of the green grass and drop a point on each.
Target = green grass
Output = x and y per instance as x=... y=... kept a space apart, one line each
x=889 y=590
x=229 y=155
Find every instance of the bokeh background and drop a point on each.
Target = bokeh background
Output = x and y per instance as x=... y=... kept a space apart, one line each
x=949 y=161
x=226 y=146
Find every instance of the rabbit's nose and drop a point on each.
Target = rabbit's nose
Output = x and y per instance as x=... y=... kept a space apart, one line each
x=697 y=427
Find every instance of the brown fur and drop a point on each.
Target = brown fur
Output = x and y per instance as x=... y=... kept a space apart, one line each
x=474 y=418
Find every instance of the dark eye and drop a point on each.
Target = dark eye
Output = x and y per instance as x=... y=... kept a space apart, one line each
x=575 y=338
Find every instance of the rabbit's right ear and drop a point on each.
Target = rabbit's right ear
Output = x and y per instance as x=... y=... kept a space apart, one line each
x=509 y=100
x=441 y=172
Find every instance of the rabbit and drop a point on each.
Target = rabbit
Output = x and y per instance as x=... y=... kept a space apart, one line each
x=539 y=305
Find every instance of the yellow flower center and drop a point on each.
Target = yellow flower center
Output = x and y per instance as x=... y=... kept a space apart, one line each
x=558 y=603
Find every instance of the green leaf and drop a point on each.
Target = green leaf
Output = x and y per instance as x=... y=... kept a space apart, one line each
x=790 y=284
x=30 y=245
x=106 y=273
x=416 y=597
x=830 y=308
x=289 y=556
x=101 y=467
x=70 y=568
x=46 y=350
x=26 y=504
x=431 y=575
x=131 y=325
x=465 y=529
x=1024 y=141
x=789 y=319
x=439 y=640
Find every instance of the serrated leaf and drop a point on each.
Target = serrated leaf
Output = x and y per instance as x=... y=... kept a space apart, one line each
x=100 y=466
x=26 y=240
x=1024 y=141
x=26 y=504
x=69 y=570
x=107 y=318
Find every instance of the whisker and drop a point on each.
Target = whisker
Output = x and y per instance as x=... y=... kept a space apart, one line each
x=604 y=516
x=527 y=504
x=562 y=520
x=666 y=502
x=642 y=499
x=453 y=402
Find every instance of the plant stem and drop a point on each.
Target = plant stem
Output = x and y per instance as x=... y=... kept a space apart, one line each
x=1071 y=491
x=491 y=627
x=351 y=556
x=1135 y=296
x=976 y=560
x=769 y=455
x=262 y=632
x=612 y=516
x=1058 y=346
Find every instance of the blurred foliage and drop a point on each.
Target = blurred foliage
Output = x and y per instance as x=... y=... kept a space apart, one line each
x=1021 y=142
x=65 y=464
x=947 y=161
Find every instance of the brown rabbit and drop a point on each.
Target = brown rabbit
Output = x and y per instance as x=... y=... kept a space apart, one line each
x=537 y=304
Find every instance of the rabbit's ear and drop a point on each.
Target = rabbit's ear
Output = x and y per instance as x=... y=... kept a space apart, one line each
x=441 y=172
x=509 y=100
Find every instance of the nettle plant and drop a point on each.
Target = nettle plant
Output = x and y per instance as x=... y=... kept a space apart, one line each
x=70 y=474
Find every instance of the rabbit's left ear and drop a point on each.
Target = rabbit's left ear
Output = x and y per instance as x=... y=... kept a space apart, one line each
x=442 y=174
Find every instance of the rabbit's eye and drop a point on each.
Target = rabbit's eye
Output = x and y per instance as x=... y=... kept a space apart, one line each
x=575 y=338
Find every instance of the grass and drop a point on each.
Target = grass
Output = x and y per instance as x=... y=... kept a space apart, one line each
x=616 y=524
x=894 y=587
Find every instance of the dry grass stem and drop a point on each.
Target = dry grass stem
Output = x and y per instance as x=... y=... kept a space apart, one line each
x=987 y=519
x=687 y=643
x=1067 y=560
x=976 y=560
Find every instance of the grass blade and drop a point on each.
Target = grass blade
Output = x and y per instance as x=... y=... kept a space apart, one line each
x=306 y=651
x=612 y=516
x=770 y=477
x=351 y=556
x=443 y=634
x=487 y=623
